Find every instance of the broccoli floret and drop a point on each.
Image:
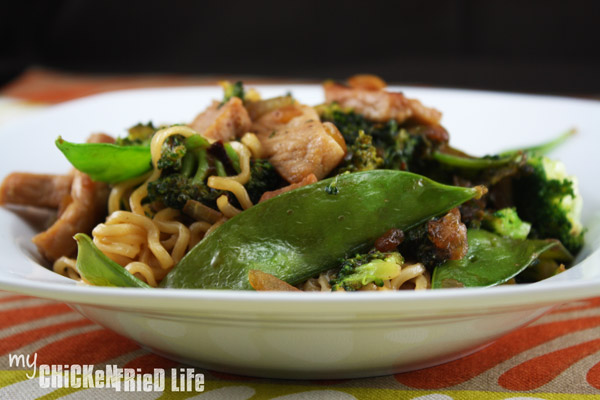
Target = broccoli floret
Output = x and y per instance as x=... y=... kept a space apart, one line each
x=187 y=181
x=172 y=190
x=404 y=151
x=172 y=152
x=506 y=222
x=398 y=148
x=362 y=155
x=263 y=178
x=347 y=121
x=175 y=190
x=232 y=90
x=350 y=124
x=140 y=134
x=363 y=269
x=549 y=198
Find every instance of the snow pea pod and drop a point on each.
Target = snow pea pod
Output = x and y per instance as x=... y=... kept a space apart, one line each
x=493 y=260
x=300 y=233
x=464 y=161
x=99 y=270
x=542 y=148
x=107 y=162
x=473 y=163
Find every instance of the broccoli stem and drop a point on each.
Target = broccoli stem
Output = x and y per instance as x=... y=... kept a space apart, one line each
x=187 y=164
x=196 y=142
x=203 y=166
x=233 y=156
x=220 y=168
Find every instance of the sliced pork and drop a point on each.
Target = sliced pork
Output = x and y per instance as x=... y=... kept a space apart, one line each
x=82 y=209
x=273 y=193
x=377 y=104
x=298 y=144
x=223 y=122
x=37 y=190
x=80 y=202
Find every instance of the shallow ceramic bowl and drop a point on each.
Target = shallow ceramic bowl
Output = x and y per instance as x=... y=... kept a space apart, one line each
x=317 y=335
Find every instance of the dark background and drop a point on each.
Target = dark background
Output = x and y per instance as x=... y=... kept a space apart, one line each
x=535 y=46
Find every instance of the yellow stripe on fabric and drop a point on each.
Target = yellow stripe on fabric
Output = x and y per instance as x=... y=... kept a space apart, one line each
x=267 y=391
x=11 y=376
x=58 y=393
x=274 y=391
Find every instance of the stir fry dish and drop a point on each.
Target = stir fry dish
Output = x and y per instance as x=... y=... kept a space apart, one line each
x=362 y=192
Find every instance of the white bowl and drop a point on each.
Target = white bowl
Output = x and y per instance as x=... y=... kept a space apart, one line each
x=308 y=335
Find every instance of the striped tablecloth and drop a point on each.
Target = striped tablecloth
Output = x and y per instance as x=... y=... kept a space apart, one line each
x=556 y=357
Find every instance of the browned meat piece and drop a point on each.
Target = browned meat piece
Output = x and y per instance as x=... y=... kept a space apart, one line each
x=306 y=181
x=390 y=240
x=223 y=123
x=87 y=207
x=298 y=144
x=449 y=235
x=366 y=81
x=100 y=138
x=423 y=114
x=37 y=190
x=78 y=211
x=435 y=133
x=257 y=109
x=263 y=281
x=381 y=105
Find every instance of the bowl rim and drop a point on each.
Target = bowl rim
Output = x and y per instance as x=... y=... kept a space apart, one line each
x=203 y=300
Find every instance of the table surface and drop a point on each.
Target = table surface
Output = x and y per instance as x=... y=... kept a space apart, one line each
x=556 y=357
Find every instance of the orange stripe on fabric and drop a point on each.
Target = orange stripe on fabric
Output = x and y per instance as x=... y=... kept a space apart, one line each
x=21 y=339
x=148 y=362
x=86 y=348
x=18 y=316
x=461 y=370
x=10 y=299
x=578 y=306
x=45 y=86
x=540 y=370
x=593 y=376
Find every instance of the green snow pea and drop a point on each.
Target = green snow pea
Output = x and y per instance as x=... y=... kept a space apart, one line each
x=107 y=162
x=493 y=260
x=305 y=231
x=473 y=163
x=466 y=162
x=542 y=148
x=99 y=270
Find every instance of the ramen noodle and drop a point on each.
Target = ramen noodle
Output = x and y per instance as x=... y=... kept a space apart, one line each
x=148 y=235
